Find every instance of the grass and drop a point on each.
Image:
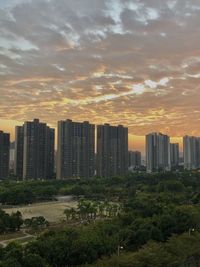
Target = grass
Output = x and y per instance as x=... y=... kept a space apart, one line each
x=25 y=240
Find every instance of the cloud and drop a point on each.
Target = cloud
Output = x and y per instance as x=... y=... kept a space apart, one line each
x=119 y=61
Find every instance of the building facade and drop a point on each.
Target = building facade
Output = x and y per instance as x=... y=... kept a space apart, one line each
x=157 y=152
x=34 y=151
x=4 y=155
x=135 y=159
x=191 y=152
x=19 y=152
x=76 y=150
x=112 y=150
x=12 y=157
x=174 y=155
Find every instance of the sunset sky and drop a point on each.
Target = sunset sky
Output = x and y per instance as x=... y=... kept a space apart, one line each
x=130 y=62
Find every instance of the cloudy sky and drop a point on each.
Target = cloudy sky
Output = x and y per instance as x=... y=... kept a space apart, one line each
x=131 y=62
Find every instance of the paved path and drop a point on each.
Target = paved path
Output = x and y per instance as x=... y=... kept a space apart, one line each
x=4 y=243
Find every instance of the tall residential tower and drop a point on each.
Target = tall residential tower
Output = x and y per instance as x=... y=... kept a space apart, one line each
x=157 y=152
x=112 y=150
x=191 y=152
x=174 y=155
x=19 y=152
x=34 y=154
x=76 y=150
x=4 y=154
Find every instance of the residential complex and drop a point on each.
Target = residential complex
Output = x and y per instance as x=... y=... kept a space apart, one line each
x=4 y=155
x=34 y=151
x=76 y=150
x=112 y=150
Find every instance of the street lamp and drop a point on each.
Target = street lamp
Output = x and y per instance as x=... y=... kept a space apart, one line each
x=190 y=231
x=118 y=249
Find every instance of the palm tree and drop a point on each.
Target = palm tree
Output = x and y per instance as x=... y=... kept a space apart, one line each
x=101 y=209
x=67 y=213
x=93 y=209
x=84 y=208
x=73 y=213
x=115 y=208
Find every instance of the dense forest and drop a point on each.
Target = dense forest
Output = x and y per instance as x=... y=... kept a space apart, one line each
x=156 y=222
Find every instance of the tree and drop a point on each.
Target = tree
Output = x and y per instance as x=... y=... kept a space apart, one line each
x=10 y=263
x=36 y=222
x=13 y=251
x=33 y=260
x=67 y=213
x=16 y=221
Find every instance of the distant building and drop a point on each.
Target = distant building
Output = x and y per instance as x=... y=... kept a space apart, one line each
x=174 y=155
x=4 y=154
x=191 y=151
x=12 y=156
x=157 y=152
x=76 y=150
x=112 y=150
x=135 y=159
x=19 y=151
x=34 y=151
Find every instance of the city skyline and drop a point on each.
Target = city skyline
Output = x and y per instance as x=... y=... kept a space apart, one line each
x=76 y=155
x=129 y=62
x=134 y=142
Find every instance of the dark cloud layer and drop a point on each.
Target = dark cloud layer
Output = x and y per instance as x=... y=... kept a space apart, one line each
x=135 y=62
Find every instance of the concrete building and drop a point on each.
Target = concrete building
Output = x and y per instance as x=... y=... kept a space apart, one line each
x=76 y=150
x=174 y=155
x=135 y=159
x=112 y=150
x=4 y=154
x=157 y=152
x=34 y=151
x=19 y=151
x=12 y=157
x=191 y=152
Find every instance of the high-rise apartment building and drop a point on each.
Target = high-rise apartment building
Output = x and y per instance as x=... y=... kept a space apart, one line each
x=174 y=155
x=4 y=154
x=76 y=150
x=112 y=150
x=34 y=154
x=135 y=159
x=19 y=152
x=12 y=156
x=191 y=152
x=157 y=152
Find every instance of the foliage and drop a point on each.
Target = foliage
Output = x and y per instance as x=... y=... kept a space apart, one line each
x=10 y=223
x=88 y=210
x=146 y=214
x=178 y=251
x=36 y=222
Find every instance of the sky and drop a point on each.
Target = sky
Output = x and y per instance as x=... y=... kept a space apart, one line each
x=130 y=62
